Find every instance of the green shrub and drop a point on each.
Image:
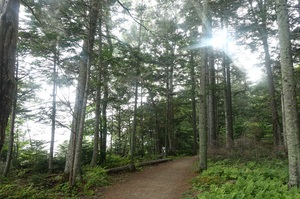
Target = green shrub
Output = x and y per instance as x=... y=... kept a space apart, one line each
x=229 y=180
x=115 y=161
x=16 y=191
x=95 y=177
x=31 y=186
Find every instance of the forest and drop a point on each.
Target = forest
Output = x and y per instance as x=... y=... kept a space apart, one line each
x=91 y=85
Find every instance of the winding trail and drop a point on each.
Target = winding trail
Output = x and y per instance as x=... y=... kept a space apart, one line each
x=164 y=181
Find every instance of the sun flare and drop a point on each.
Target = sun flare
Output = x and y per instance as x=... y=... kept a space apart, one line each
x=220 y=39
x=241 y=56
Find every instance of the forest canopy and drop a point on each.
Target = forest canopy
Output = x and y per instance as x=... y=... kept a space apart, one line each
x=96 y=81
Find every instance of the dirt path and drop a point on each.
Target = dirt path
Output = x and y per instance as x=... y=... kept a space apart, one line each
x=164 y=181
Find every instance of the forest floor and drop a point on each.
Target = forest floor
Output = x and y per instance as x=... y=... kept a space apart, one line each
x=163 y=181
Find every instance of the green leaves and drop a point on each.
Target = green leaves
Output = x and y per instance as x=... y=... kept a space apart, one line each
x=95 y=177
x=229 y=179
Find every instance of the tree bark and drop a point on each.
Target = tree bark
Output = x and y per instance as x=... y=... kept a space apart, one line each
x=9 y=22
x=12 y=129
x=211 y=101
x=193 y=98
x=203 y=113
x=134 y=125
x=78 y=145
x=104 y=117
x=53 y=115
x=142 y=124
x=119 y=130
x=283 y=123
x=156 y=133
x=170 y=111
x=98 y=100
x=73 y=158
x=277 y=140
x=227 y=98
x=228 y=103
x=141 y=164
x=105 y=96
x=136 y=86
x=202 y=89
x=262 y=29
x=289 y=94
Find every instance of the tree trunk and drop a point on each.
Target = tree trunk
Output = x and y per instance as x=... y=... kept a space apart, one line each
x=156 y=133
x=283 y=123
x=228 y=103
x=142 y=124
x=262 y=29
x=289 y=94
x=104 y=117
x=203 y=113
x=53 y=115
x=77 y=110
x=69 y=165
x=97 y=124
x=9 y=22
x=105 y=96
x=193 y=98
x=98 y=100
x=227 y=98
x=78 y=146
x=72 y=166
x=119 y=130
x=277 y=140
x=202 y=89
x=134 y=125
x=212 y=101
x=128 y=136
x=111 y=131
x=12 y=128
x=141 y=164
x=170 y=112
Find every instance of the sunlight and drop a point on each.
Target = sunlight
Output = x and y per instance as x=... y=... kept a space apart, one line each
x=241 y=56
x=220 y=39
x=247 y=60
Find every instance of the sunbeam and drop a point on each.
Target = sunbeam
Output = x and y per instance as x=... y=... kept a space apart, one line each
x=239 y=55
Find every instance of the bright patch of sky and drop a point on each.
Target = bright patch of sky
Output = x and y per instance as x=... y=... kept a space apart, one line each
x=40 y=129
x=241 y=56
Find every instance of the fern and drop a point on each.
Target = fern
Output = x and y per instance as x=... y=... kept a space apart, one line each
x=260 y=180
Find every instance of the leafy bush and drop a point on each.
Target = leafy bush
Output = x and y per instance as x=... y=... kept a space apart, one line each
x=33 y=157
x=115 y=161
x=26 y=191
x=40 y=186
x=262 y=180
x=94 y=177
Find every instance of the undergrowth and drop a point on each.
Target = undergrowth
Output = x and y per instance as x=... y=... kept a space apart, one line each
x=29 y=182
x=236 y=179
x=115 y=161
x=45 y=186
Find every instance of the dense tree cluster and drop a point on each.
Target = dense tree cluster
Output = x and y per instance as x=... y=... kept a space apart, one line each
x=149 y=78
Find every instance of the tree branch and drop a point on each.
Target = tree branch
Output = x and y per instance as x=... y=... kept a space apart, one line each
x=32 y=11
x=138 y=22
